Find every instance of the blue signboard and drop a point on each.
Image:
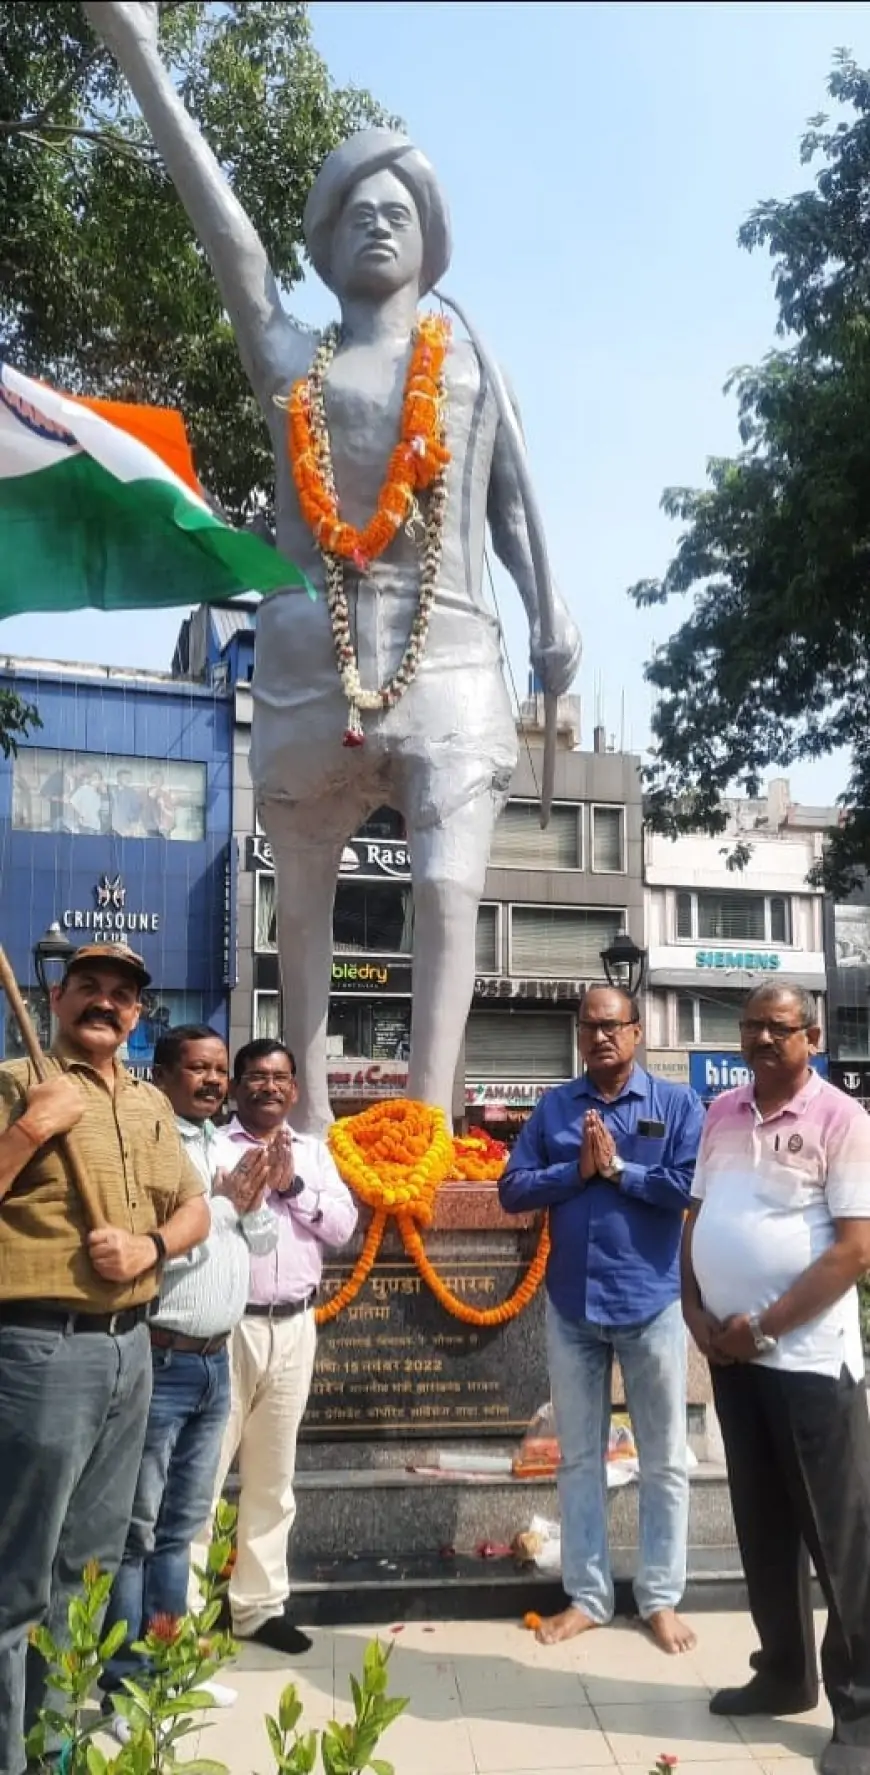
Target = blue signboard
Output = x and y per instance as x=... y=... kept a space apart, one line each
x=711 y=1073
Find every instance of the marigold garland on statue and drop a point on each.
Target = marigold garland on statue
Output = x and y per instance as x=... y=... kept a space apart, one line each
x=418 y=465
x=395 y=1156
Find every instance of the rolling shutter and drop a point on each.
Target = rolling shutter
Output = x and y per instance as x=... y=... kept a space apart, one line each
x=519 y=843
x=519 y=1045
x=561 y=942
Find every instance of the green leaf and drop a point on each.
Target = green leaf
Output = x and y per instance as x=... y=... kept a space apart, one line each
x=275 y=1737
x=379 y=1767
x=96 y=1762
x=289 y=1708
x=357 y=1694
x=204 y=1766
x=44 y=1643
x=113 y=1641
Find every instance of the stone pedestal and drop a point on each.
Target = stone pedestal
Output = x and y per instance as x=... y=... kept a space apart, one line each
x=399 y=1381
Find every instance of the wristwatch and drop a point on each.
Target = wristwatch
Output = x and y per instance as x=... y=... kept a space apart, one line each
x=615 y=1169
x=159 y=1244
x=762 y=1342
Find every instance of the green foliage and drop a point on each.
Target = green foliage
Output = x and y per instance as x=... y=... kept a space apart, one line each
x=167 y=1703
x=16 y=719
x=344 y=1750
x=771 y=665
x=103 y=288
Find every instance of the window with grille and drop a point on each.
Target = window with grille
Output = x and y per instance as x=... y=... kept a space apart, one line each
x=608 y=840
x=852 y=1032
x=267 y=1015
x=732 y=917
x=561 y=942
x=519 y=1045
x=709 y=1020
x=486 y=955
x=519 y=843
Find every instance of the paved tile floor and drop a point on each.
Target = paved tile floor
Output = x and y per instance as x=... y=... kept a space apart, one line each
x=485 y=1699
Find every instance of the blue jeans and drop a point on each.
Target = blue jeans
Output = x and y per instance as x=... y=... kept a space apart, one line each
x=72 y=1418
x=652 y=1357
x=190 y=1404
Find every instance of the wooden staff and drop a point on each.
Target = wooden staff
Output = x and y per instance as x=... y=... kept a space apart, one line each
x=70 y=1154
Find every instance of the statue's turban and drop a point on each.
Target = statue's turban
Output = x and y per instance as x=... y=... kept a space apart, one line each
x=370 y=151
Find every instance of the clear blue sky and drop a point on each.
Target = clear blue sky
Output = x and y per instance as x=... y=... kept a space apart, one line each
x=599 y=160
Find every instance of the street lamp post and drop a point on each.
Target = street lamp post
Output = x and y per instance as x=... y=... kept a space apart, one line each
x=625 y=964
x=53 y=951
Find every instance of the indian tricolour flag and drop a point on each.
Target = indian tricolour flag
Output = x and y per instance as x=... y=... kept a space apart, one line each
x=100 y=506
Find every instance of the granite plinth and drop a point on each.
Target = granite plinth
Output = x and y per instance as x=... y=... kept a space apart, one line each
x=396 y=1363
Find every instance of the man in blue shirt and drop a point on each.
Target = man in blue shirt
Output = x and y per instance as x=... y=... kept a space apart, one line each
x=612 y=1156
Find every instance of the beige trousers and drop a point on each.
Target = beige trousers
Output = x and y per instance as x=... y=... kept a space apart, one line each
x=272 y=1361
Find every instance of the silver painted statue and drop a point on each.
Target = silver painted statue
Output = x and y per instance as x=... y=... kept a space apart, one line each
x=378 y=234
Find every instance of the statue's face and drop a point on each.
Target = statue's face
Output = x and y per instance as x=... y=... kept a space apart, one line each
x=378 y=245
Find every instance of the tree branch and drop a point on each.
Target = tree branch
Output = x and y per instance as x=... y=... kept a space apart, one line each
x=33 y=131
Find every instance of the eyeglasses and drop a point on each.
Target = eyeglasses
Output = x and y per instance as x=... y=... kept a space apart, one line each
x=267 y=1078
x=606 y=1028
x=778 y=1032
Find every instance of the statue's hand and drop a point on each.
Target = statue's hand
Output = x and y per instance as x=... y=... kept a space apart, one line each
x=556 y=666
x=122 y=24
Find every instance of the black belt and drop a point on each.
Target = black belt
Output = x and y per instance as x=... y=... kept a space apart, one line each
x=38 y=1317
x=280 y=1309
x=197 y=1346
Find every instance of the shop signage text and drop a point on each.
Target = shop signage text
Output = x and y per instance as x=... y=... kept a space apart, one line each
x=370 y=976
x=351 y=1077
x=737 y=958
x=669 y=1063
x=514 y=1092
x=503 y=987
x=712 y=1073
x=109 y=921
x=371 y=859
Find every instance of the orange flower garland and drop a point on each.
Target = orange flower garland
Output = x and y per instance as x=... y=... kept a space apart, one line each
x=478 y=1158
x=417 y=460
x=359 y=1274
x=509 y=1309
x=395 y=1156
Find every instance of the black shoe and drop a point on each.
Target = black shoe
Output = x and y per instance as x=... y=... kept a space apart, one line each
x=762 y=1695
x=281 y=1636
x=845 y=1759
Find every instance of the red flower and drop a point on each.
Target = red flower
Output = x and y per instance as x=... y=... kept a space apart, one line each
x=166 y=1628
x=353 y=738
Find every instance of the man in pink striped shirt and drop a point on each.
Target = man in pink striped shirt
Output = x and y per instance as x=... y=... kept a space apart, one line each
x=778 y=1236
x=272 y=1350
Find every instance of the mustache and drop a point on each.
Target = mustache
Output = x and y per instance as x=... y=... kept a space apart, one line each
x=208 y=1091
x=96 y=1017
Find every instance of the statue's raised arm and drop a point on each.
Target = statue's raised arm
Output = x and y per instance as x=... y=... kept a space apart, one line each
x=237 y=254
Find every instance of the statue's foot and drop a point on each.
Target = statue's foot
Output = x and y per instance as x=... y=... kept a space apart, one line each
x=567 y=1625
x=670 y=1632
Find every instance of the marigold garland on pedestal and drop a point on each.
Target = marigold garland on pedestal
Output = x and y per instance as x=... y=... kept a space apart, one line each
x=478 y=1158
x=395 y=1156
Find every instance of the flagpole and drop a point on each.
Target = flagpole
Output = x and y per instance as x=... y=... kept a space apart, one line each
x=70 y=1155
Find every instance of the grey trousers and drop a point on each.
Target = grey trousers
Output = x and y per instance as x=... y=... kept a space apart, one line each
x=73 y=1409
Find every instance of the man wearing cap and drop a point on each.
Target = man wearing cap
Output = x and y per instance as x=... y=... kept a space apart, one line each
x=76 y=1279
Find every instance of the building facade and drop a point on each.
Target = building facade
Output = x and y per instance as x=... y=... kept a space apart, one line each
x=714 y=932
x=847 y=948
x=115 y=824
x=553 y=900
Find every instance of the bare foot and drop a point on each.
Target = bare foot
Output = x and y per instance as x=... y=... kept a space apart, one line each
x=565 y=1626
x=670 y=1632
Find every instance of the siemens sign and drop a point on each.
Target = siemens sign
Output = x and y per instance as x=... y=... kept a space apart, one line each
x=737 y=958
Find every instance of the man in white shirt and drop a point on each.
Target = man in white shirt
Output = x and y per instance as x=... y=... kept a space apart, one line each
x=273 y=1347
x=778 y=1236
x=202 y=1297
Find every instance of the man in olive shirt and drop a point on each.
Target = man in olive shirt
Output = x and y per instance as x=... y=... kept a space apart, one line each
x=76 y=1280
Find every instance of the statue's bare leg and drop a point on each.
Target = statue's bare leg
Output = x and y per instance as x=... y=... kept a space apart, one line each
x=448 y=869
x=306 y=870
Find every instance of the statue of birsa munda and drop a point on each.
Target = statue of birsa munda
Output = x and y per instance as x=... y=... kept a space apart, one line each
x=395 y=444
